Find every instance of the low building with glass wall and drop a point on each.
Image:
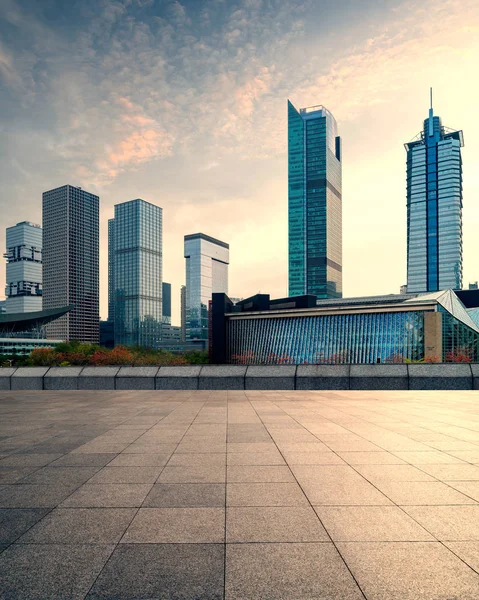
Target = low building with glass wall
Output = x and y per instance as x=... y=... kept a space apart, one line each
x=303 y=330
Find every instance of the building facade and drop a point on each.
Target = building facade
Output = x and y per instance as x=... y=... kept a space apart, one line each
x=183 y=312
x=24 y=268
x=207 y=261
x=136 y=247
x=111 y=270
x=314 y=203
x=434 y=208
x=385 y=329
x=71 y=262
x=166 y=303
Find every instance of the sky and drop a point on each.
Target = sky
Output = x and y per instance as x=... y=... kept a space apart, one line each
x=184 y=103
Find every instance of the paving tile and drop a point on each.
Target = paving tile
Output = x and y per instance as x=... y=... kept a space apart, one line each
x=127 y=475
x=469 y=488
x=250 y=447
x=53 y=572
x=199 y=474
x=273 y=524
x=459 y=472
x=428 y=458
x=264 y=494
x=80 y=526
x=370 y=524
x=258 y=474
x=415 y=493
x=15 y=474
x=312 y=458
x=177 y=495
x=162 y=571
x=370 y=458
x=83 y=460
x=269 y=458
x=408 y=571
x=149 y=449
x=122 y=495
x=455 y=523
x=200 y=444
x=28 y=460
x=34 y=496
x=287 y=571
x=14 y=522
x=61 y=475
x=177 y=526
x=140 y=460
x=198 y=460
x=376 y=473
x=467 y=551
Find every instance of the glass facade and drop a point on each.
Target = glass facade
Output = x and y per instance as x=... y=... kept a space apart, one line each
x=71 y=232
x=434 y=208
x=314 y=203
x=24 y=268
x=332 y=339
x=166 y=303
x=111 y=270
x=137 y=242
x=398 y=331
x=207 y=261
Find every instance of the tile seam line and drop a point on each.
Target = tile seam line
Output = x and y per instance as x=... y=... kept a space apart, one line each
x=309 y=502
x=108 y=560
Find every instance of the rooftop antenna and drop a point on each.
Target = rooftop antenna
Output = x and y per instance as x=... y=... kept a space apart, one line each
x=431 y=121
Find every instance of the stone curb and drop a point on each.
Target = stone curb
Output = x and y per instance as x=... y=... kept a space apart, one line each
x=444 y=376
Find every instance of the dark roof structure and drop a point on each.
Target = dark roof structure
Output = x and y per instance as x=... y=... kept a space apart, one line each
x=16 y=322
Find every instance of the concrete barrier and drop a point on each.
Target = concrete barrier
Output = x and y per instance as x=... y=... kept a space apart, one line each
x=136 y=378
x=270 y=377
x=378 y=377
x=322 y=377
x=442 y=376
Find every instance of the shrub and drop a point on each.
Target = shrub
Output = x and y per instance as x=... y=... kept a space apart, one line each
x=43 y=357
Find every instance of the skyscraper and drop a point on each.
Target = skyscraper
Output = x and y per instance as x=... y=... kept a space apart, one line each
x=136 y=242
x=314 y=203
x=111 y=270
x=207 y=261
x=166 y=303
x=71 y=262
x=183 y=312
x=24 y=268
x=434 y=208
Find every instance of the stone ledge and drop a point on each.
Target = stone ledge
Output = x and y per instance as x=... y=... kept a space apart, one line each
x=443 y=376
x=378 y=377
x=136 y=378
x=270 y=377
x=322 y=377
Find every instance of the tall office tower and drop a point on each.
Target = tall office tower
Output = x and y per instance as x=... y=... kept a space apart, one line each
x=138 y=241
x=111 y=270
x=166 y=303
x=434 y=208
x=207 y=261
x=24 y=268
x=314 y=203
x=183 y=312
x=71 y=262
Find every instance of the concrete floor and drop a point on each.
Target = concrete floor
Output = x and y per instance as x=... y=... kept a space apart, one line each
x=239 y=495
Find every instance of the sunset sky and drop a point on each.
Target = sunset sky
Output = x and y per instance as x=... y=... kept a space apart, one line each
x=184 y=104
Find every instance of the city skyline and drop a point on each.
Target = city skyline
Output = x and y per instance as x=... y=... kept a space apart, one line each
x=225 y=171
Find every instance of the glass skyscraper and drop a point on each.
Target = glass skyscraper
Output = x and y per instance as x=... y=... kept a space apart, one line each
x=207 y=261
x=24 y=268
x=71 y=262
x=434 y=208
x=166 y=303
x=135 y=285
x=314 y=203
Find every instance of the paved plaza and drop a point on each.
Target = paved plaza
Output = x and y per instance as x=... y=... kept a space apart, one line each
x=239 y=495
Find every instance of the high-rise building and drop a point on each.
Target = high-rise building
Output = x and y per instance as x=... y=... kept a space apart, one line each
x=207 y=261
x=314 y=203
x=166 y=303
x=111 y=270
x=434 y=208
x=3 y=307
x=71 y=262
x=24 y=268
x=183 y=312
x=137 y=242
